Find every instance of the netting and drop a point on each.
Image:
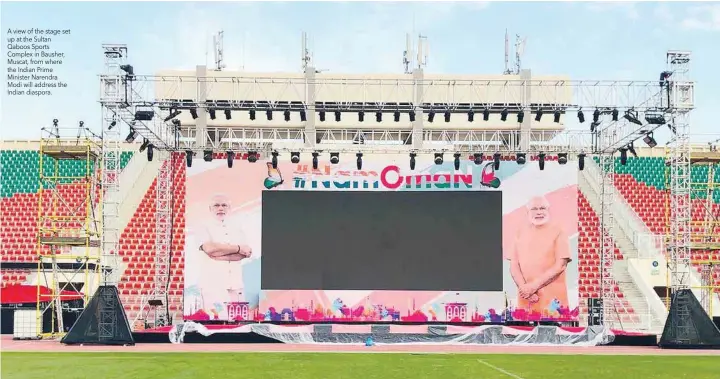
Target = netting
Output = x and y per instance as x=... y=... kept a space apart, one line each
x=409 y=334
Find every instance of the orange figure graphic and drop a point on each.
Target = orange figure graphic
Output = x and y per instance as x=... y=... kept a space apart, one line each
x=539 y=259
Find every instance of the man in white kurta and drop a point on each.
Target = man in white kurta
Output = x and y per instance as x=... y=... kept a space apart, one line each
x=222 y=245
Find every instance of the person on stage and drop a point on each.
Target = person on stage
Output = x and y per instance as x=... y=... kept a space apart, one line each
x=539 y=259
x=222 y=246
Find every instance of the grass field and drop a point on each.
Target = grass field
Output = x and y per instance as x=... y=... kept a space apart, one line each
x=352 y=365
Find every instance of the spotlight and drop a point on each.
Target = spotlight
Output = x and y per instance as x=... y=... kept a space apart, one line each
x=295 y=157
x=503 y=115
x=412 y=161
x=556 y=117
x=631 y=116
x=334 y=158
x=562 y=158
x=521 y=158
x=538 y=115
x=252 y=157
x=207 y=155
x=478 y=158
x=596 y=115
x=128 y=69
x=144 y=145
x=447 y=116
x=456 y=161
x=150 y=149
x=230 y=158
x=315 y=160
x=655 y=118
x=486 y=114
x=541 y=161
x=212 y=113
x=321 y=115
x=623 y=156
x=172 y=115
x=251 y=114
x=438 y=158
x=411 y=114
x=359 y=138
x=650 y=140
x=581 y=161
x=631 y=149
x=615 y=114
x=193 y=113
x=496 y=161
x=594 y=126
x=359 y=160
x=131 y=136
x=581 y=116
x=176 y=123
x=396 y=116
x=274 y=159
x=189 y=157
x=228 y=114
x=338 y=116
x=286 y=115
x=471 y=116
x=112 y=125
x=303 y=116
x=520 y=117
x=431 y=116
x=378 y=116
x=146 y=115
x=269 y=114
x=361 y=116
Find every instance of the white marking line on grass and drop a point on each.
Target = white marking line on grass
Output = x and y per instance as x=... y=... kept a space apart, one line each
x=498 y=369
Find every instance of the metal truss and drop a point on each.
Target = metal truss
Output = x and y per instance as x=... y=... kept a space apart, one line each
x=163 y=226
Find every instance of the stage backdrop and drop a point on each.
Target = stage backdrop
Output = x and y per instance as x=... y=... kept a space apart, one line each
x=224 y=241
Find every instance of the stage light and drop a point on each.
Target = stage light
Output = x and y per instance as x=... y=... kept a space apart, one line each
x=631 y=149
x=207 y=155
x=503 y=115
x=478 y=158
x=562 y=158
x=146 y=115
x=251 y=114
x=541 y=161
x=194 y=115
x=274 y=159
x=334 y=158
x=431 y=116
x=212 y=113
x=471 y=116
x=112 y=125
x=295 y=157
x=615 y=114
x=631 y=116
x=438 y=158
x=286 y=115
x=623 y=156
x=315 y=160
x=655 y=118
x=556 y=116
x=581 y=116
x=496 y=161
x=411 y=114
x=228 y=114
x=144 y=145
x=252 y=156
x=230 y=158
x=456 y=161
x=594 y=126
x=520 y=117
x=128 y=69
x=378 y=116
x=131 y=136
x=361 y=116
x=359 y=138
x=486 y=114
x=189 y=157
x=150 y=154
x=303 y=116
x=269 y=114
x=650 y=140
x=359 y=160
x=396 y=116
x=412 y=161
x=581 y=161
x=596 y=115
x=338 y=116
x=538 y=115
x=521 y=158
x=172 y=115
x=321 y=115
x=447 y=116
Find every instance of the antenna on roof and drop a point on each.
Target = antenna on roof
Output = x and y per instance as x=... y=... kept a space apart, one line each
x=507 y=54
x=306 y=57
x=423 y=51
x=218 y=49
x=408 y=54
x=519 y=52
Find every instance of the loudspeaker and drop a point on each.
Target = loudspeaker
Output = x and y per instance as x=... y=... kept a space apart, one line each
x=595 y=311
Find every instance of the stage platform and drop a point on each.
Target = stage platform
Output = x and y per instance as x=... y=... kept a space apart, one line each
x=390 y=334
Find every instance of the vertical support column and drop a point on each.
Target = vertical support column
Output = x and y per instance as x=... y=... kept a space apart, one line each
x=607 y=245
x=201 y=121
x=417 y=125
x=526 y=125
x=311 y=113
x=163 y=225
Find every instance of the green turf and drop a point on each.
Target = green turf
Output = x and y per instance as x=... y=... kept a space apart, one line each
x=356 y=366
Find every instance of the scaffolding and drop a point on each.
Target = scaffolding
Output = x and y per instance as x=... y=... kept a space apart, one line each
x=68 y=229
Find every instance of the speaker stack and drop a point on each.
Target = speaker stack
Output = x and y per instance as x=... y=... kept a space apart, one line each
x=595 y=311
